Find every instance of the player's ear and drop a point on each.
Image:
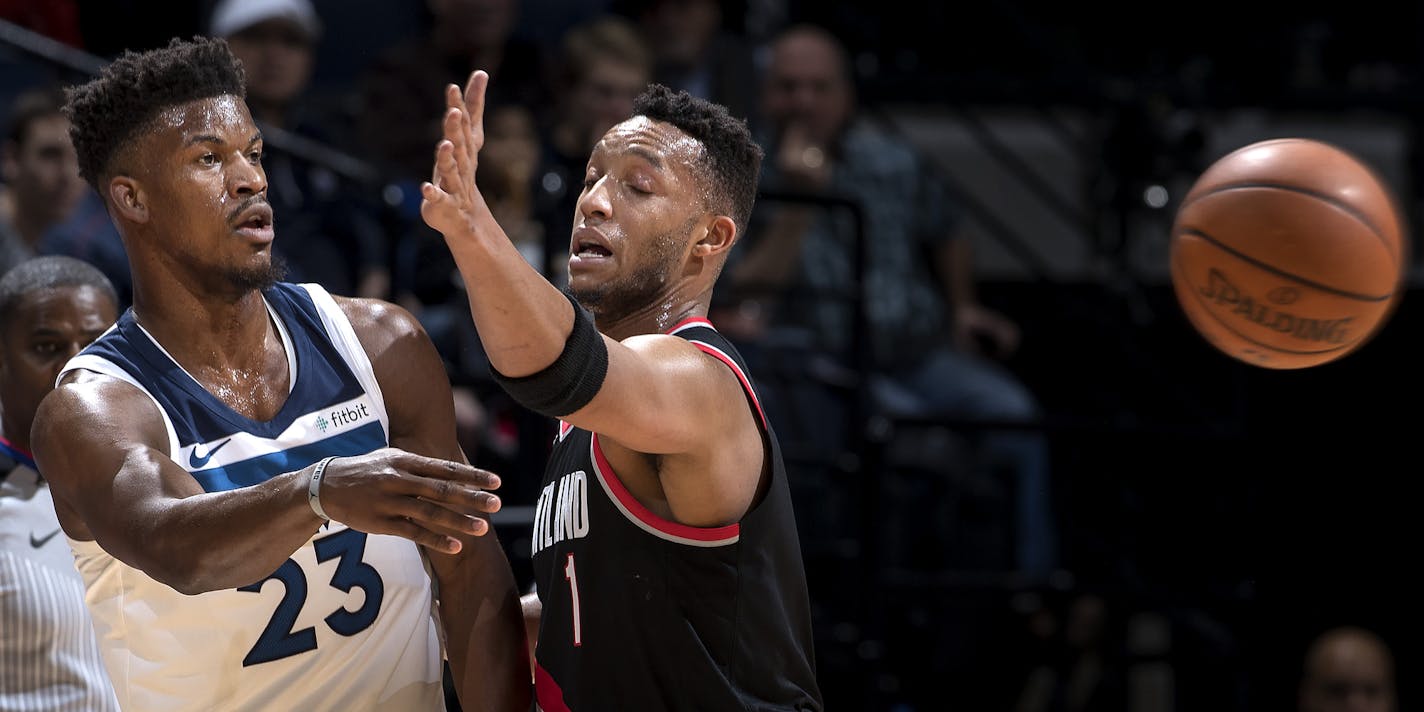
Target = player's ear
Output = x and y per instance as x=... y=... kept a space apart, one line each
x=128 y=199
x=716 y=236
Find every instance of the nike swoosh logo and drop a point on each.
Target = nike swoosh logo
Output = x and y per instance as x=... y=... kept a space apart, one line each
x=195 y=461
x=37 y=543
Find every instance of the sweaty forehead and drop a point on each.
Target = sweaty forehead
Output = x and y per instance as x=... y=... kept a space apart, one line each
x=656 y=140
x=211 y=116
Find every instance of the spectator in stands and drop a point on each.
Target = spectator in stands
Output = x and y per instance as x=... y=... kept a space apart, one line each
x=40 y=172
x=403 y=92
x=1347 y=669
x=52 y=212
x=511 y=153
x=330 y=226
x=695 y=52
x=930 y=338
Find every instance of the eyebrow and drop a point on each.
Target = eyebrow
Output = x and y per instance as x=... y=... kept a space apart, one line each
x=209 y=138
x=648 y=156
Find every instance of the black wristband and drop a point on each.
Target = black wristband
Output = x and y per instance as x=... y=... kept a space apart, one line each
x=572 y=380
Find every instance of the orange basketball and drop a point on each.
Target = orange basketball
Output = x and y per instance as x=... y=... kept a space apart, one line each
x=1288 y=253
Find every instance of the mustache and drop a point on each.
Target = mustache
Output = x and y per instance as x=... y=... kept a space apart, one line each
x=256 y=199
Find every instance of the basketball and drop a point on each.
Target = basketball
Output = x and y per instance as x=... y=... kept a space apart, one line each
x=1288 y=253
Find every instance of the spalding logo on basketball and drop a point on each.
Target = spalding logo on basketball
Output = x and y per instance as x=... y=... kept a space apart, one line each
x=1288 y=253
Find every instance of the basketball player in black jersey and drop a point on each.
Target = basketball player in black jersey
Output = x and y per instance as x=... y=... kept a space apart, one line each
x=665 y=548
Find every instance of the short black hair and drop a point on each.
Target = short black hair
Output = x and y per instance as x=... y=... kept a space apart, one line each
x=48 y=272
x=733 y=157
x=31 y=106
x=109 y=111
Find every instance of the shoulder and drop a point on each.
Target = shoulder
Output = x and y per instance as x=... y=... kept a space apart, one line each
x=87 y=396
x=404 y=360
x=380 y=324
x=85 y=388
x=677 y=355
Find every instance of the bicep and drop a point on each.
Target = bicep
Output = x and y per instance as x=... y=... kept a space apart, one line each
x=103 y=447
x=663 y=396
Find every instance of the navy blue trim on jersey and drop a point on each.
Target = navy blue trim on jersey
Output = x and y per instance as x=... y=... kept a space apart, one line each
x=323 y=379
x=251 y=471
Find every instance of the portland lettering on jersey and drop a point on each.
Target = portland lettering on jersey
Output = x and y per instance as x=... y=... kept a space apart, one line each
x=1220 y=290
x=562 y=511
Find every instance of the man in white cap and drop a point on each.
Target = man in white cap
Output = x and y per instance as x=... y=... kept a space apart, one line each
x=275 y=40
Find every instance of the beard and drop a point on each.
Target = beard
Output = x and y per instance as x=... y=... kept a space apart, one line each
x=626 y=295
x=259 y=277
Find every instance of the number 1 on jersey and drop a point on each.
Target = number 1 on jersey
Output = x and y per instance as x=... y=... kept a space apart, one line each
x=572 y=577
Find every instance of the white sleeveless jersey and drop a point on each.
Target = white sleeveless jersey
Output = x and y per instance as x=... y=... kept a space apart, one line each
x=346 y=623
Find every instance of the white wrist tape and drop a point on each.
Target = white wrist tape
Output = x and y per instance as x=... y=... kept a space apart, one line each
x=314 y=487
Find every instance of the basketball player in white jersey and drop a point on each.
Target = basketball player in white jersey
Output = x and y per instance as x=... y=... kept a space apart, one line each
x=50 y=308
x=258 y=478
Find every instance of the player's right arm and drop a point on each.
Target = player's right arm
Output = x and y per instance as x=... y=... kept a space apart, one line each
x=102 y=445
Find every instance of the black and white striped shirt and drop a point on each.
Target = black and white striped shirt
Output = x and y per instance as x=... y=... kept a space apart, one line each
x=49 y=659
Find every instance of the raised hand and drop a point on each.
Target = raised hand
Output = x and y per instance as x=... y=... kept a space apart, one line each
x=450 y=201
x=426 y=500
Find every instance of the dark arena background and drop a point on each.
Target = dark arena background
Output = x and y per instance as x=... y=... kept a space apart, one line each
x=1213 y=517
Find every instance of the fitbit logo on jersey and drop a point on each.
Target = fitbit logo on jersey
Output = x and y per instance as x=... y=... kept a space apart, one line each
x=562 y=511
x=347 y=416
x=342 y=415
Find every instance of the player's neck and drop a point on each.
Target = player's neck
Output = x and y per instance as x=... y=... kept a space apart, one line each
x=655 y=318
x=207 y=329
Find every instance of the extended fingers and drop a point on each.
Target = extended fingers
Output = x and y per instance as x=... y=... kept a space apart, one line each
x=443 y=519
x=475 y=91
x=447 y=174
x=466 y=136
x=413 y=531
x=466 y=150
x=454 y=495
x=436 y=468
x=474 y=103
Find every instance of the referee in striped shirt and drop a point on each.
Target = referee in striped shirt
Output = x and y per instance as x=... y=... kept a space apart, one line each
x=50 y=308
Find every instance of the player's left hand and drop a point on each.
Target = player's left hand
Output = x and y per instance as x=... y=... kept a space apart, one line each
x=450 y=201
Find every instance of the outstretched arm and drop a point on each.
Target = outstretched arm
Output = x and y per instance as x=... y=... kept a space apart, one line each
x=113 y=482
x=478 y=599
x=661 y=395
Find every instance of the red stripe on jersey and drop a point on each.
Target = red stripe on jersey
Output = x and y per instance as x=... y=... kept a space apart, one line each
x=715 y=536
x=689 y=322
x=547 y=692
x=746 y=383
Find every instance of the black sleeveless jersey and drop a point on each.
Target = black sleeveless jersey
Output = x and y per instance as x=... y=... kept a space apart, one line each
x=641 y=613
